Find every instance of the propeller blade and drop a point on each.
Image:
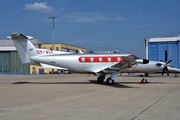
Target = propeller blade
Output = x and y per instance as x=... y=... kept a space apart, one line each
x=165 y=57
x=164 y=69
x=168 y=62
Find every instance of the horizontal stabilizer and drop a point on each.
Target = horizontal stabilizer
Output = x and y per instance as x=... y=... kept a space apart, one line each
x=19 y=36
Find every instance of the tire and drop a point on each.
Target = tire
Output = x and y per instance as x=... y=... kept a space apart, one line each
x=109 y=81
x=101 y=78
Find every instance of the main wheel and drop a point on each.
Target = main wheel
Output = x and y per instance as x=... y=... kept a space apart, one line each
x=101 y=78
x=109 y=81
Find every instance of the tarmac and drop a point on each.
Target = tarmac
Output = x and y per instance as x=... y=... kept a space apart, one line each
x=80 y=97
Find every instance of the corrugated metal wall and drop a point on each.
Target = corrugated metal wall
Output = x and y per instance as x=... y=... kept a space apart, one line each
x=156 y=51
x=10 y=63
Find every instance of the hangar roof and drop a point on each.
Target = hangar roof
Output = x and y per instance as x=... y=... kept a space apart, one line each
x=8 y=45
x=4 y=43
x=166 y=39
x=163 y=39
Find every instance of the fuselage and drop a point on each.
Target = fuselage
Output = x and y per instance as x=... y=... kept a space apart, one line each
x=151 y=67
x=81 y=62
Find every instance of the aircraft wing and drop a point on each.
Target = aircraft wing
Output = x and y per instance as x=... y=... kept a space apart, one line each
x=127 y=62
x=51 y=66
x=173 y=70
x=170 y=70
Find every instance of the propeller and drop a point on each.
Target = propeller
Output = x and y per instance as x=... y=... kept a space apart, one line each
x=165 y=69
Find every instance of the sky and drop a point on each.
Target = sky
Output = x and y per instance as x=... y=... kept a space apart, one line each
x=93 y=24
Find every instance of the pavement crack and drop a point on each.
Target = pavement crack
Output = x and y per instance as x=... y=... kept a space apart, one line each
x=154 y=103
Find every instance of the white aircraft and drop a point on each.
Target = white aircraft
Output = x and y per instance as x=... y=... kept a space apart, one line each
x=97 y=64
x=152 y=67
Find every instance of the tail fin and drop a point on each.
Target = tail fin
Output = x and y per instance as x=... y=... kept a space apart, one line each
x=24 y=47
x=27 y=50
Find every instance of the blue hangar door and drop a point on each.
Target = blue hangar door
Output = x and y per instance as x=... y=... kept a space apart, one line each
x=156 y=52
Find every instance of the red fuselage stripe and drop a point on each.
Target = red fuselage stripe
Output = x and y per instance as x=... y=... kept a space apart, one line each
x=92 y=59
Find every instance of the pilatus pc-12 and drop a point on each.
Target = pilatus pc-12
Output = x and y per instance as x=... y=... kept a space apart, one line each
x=96 y=64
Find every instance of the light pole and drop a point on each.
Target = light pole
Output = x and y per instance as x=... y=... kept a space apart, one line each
x=53 y=17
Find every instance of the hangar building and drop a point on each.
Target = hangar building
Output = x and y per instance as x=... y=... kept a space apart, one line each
x=10 y=62
x=155 y=49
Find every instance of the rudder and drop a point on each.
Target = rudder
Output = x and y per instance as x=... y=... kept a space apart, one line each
x=24 y=47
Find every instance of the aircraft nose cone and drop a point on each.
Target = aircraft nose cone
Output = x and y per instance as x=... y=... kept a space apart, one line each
x=145 y=61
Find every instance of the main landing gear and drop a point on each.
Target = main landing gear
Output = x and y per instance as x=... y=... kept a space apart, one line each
x=109 y=80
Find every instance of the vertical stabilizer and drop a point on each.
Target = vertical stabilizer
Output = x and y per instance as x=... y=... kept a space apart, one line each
x=24 y=47
x=27 y=50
